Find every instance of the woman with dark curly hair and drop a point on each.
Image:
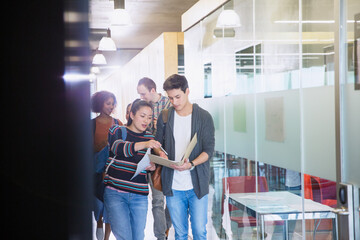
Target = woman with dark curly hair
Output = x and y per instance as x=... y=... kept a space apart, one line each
x=103 y=103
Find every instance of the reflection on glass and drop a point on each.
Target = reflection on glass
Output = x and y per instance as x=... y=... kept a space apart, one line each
x=245 y=68
x=357 y=51
x=357 y=63
x=270 y=91
x=350 y=91
x=236 y=175
x=350 y=103
x=207 y=81
x=181 y=65
x=329 y=65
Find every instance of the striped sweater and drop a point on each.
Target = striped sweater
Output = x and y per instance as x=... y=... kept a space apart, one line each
x=125 y=163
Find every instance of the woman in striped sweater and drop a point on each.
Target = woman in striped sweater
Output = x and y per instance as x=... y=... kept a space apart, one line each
x=126 y=199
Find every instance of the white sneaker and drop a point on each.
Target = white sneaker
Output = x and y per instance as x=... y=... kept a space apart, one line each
x=100 y=234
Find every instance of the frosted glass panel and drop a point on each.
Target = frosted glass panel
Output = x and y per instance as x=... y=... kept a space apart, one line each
x=319 y=132
x=352 y=134
x=278 y=129
x=240 y=131
x=351 y=97
x=272 y=102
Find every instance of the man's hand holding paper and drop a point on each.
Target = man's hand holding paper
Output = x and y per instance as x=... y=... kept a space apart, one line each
x=183 y=164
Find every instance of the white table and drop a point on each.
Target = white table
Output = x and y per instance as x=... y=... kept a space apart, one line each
x=281 y=206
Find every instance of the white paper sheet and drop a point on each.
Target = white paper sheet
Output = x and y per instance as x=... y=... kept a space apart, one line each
x=144 y=163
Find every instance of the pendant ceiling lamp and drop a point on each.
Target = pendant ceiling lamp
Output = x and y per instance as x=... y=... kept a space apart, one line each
x=99 y=59
x=228 y=18
x=106 y=43
x=120 y=16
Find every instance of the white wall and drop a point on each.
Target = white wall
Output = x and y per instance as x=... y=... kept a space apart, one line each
x=148 y=63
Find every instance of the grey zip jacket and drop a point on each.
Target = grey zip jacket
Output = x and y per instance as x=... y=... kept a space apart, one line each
x=202 y=124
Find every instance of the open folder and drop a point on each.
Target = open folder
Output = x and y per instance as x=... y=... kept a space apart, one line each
x=167 y=163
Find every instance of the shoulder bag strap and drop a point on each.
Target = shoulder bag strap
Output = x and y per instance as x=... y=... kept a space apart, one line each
x=165 y=113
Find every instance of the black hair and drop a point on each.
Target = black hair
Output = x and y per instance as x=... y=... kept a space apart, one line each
x=99 y=98
x=148 y=83
x=136 y=105
x=176 y=81
x=128 y=108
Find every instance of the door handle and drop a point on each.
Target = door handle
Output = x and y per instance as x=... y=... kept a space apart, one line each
x=341 y=211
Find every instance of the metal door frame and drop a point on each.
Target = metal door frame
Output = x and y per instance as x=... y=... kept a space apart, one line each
x=345 y=210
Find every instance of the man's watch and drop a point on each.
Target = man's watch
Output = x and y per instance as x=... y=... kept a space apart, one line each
x=192 y=166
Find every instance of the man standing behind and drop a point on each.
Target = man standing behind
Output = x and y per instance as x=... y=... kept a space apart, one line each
x=186 y=187
x=146 y=88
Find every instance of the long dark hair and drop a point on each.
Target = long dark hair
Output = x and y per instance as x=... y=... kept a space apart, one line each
x=136 y=105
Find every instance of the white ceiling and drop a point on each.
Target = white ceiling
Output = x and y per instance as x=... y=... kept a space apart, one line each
x=149 y=18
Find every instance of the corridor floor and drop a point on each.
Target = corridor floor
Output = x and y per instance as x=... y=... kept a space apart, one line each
x=149 y=234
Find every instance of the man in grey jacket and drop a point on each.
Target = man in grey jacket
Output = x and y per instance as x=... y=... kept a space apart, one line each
x=186 y=187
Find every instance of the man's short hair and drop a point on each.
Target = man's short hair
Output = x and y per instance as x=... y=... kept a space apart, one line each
x=176 y=81
x=148 y=83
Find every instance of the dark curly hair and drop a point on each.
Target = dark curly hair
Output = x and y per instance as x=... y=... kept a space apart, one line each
x=99 y=98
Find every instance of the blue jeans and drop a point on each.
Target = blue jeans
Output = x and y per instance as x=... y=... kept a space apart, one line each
x=180 y=205
x=127 y=214
x=99 y=210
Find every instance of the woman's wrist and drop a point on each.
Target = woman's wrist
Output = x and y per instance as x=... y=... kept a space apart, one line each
x=139 y=146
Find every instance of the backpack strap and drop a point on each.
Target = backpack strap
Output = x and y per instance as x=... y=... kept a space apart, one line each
x=123 y=133
x=165 y=114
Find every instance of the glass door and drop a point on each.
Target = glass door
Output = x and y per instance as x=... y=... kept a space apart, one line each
x=348 y=148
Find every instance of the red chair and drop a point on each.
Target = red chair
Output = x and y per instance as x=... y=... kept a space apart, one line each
x=320 y=190
x=328 y=192
x=323 y=191
x=243 y=184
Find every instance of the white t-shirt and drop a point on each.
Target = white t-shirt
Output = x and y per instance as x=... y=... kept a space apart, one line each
x=182 y=135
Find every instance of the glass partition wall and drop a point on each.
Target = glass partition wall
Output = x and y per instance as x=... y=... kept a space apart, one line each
x=269 y=86
x=350 y=105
